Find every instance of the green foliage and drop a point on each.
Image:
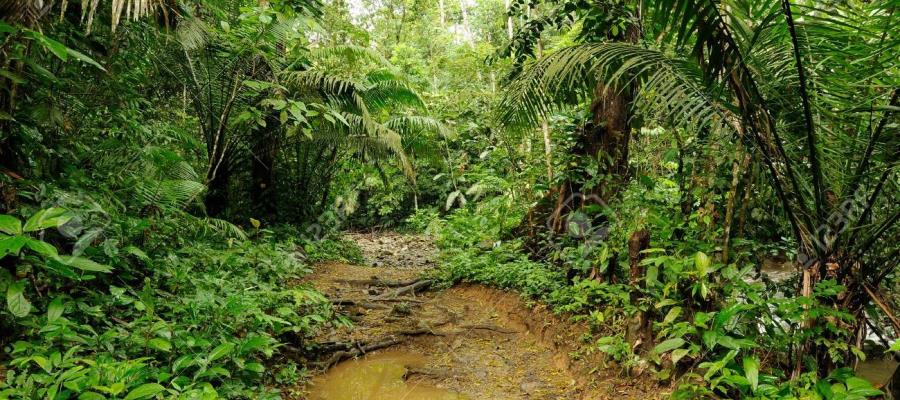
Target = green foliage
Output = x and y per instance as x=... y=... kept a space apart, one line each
x=204 y=321
x=333 y=249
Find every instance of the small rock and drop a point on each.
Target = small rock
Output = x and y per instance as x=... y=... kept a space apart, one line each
x=530 y=387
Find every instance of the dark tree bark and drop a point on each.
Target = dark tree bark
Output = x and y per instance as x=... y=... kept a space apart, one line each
x=217 y=195
x=265 y=153
x=640 y=331
x=609 y=137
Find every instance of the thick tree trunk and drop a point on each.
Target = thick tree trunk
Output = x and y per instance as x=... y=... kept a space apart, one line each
x=609 y=137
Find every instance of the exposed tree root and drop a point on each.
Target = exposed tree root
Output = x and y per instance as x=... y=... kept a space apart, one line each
x=376 y=281
x=411 y=288
x=358 y=350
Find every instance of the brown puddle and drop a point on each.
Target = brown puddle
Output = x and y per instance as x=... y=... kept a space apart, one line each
x=376 y=377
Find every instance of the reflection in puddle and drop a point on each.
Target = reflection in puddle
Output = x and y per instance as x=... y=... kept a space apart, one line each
x=376 y=377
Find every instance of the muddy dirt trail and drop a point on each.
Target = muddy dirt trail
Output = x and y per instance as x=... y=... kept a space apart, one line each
x=409 y=341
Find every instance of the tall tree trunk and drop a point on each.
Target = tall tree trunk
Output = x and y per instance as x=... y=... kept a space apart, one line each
x=467 y=27
x=740 y=163
x=509 y=21
x=608 y=138
x=545 y=127
x=218 y=176
x=265 y=152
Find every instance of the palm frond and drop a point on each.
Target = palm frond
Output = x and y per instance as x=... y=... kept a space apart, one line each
x=388 y=93
x=225 y=228
x=349 y=53
x=668 y=86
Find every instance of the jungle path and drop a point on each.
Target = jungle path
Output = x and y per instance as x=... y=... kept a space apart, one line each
x=414 y=342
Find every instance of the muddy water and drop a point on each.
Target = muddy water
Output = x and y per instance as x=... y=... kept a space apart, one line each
x=377 y=377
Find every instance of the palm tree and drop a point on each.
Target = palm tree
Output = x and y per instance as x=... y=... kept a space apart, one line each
x=812 y=90
x=606 y=137
x=372 y=117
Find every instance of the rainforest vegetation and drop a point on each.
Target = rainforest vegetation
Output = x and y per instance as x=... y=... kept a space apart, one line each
x=171 y=171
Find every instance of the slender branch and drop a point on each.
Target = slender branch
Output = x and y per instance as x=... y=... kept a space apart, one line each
x=883 y=306
x=815 y=166
x=887 y=224
x=870 y=148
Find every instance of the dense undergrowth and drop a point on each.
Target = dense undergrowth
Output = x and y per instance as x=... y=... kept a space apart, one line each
x=718 y=329
x=190 y=313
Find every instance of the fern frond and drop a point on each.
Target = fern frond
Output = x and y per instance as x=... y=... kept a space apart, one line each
x=225 y=228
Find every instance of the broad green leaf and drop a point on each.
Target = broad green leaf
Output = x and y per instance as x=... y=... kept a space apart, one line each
x=678 y=354
x=55 y=309
x=43 y=362
x=10 y=225
x=701 y=261
x=853 y=383
x=253 y=343
x=160 y=344
x=183 y=362
x=12 y=76
x=91 y=396
x=710 y=338
x=728 y=342
x=668 y=345
x=58 y=49
x=255 y=367
x=40 y=70
x=895 y=346
x=145 y=391
x=85 y=58
x=137 y=253
x=751 y=371
x=47 y=218
x=220 y=351
x=16 y=302
x=41 y=247
x=83 y=264
x=11 y=245
x=672 y=315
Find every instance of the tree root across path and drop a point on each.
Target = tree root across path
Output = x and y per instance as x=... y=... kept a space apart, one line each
x=346 y=350
x=411 y=288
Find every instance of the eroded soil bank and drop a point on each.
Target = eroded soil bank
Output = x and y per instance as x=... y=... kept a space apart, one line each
x=464 y=342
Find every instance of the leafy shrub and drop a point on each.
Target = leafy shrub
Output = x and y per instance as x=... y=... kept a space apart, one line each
x=195 y=322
